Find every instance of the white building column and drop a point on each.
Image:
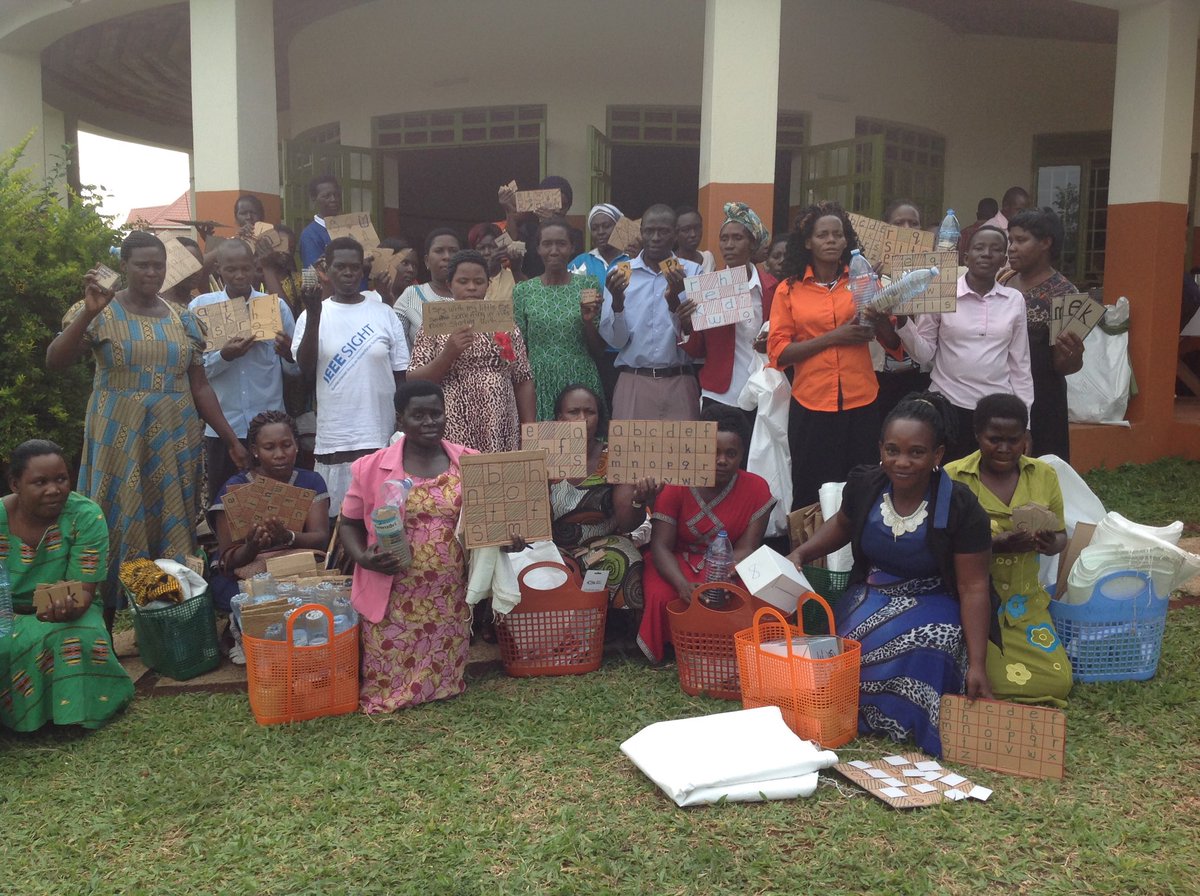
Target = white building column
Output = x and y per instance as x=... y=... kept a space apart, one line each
x=21 y=110
x=739 y=110
x=235 y=132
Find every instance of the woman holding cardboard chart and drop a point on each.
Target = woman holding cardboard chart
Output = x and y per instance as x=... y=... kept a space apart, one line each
x=558 y=313
x=592 y=518
x=440 y=246
x=416 y=625
x=1035 y=238
x=142 y=433
x=57 y=664
x=834 y=423
x=486 y=377
x=687 y=518
x=918 y=599
x=1029 y=664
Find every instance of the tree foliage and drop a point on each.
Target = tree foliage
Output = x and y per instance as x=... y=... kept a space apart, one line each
x=46 y=246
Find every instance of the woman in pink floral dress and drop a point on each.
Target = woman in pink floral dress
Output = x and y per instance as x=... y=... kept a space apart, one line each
x=416 y=625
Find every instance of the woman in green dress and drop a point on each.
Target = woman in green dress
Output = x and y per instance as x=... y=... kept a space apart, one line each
x=57 y=665
x=1029 y=665
x=558 y=321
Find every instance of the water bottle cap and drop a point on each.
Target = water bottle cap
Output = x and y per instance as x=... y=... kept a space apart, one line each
x=722 y=534
x=854 y=252
x=949 y=211
x=933 y=270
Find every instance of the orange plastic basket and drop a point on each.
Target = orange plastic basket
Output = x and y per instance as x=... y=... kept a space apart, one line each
x=703 y=639
x=553 y=631
x=818 y=697
x=291 y=684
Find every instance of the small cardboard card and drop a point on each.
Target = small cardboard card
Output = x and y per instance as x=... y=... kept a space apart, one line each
x=1033 y=517
x=625 y=233
x=489 y=316
x=503 y=241
x=43 y=594
x=772 y=577
x=259 y=317
x=679 y=452
x=301 y=563
x=504 y=495
x=532 y=200
x=1077 y=313
x=942 y=295
x=880 y=241
x=257 y=501
x=1080 y=539
x=589 y=296
x=106 y=278
x=564 y=443
x=669 y=264
x=195 y=564
x=721 y=297
x=181 y=263
x=1029 y=741
x=358 y=226
x=595 y=580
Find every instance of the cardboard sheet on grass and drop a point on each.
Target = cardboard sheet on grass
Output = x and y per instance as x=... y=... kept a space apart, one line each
x=1007 y=737
x=256 y=501
x=487 y=316
x=910 y=781
x=504 y=495
x=745 y=756
x=260 y=318
x=677 y=452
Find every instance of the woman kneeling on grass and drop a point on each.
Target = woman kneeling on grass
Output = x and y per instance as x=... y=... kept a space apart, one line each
x=416 y=625
x=58 y=665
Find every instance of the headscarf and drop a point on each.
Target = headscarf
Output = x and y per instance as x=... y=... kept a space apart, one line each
x=476 y=234
x=604 y=208
x=740 y=213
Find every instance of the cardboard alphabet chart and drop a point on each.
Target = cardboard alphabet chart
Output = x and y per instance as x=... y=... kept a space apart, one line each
x=880 y=241
x=488 y=316
x=564 y=443
x=224 y=320
x=942 y=295
x=357 y=225
x=624 y=233
x=910 y=781
x=1077 y=313
x=677 y=452
x=532 y=200
x=181 y=263
x=504 y=495
x=1029 y=741
x=722 y=297
x=256 y=501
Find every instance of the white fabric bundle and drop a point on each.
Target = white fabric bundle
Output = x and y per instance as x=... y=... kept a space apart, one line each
x=745 y=756
x=830 y=496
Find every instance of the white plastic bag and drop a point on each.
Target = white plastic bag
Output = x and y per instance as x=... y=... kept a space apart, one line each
x=1099 y=392
x=1080 y=505
x=770 y=457
x=830 y=496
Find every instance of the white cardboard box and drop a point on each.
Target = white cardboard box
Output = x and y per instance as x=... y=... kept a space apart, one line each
x=772 y=577
x=815 y=647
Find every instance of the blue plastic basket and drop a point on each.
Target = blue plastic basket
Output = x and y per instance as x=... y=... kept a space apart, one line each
x=1114 y=638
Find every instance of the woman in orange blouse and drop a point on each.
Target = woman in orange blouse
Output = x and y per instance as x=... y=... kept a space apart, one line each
x=834 y=420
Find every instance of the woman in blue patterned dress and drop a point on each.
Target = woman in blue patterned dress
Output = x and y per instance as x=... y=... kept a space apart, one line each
x=141 y=447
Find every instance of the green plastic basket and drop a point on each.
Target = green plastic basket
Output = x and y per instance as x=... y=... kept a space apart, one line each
x=831 y=586
x=179 y=641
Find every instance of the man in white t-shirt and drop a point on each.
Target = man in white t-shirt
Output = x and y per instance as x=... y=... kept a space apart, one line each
x=355 y=351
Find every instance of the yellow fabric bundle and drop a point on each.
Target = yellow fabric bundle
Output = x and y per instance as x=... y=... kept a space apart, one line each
x=145 y=582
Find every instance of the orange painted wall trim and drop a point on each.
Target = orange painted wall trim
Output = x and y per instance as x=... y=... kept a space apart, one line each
x=711 y=202
x=217 y=205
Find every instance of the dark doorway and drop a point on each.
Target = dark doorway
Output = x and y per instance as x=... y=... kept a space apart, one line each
x=644 y=175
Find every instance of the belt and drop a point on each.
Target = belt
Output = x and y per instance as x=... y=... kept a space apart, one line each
x=658 y=372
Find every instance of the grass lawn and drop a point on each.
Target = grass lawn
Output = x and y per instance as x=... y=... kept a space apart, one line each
x=518 y=786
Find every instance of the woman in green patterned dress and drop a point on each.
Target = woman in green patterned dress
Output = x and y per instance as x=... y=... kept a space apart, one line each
x=560 y=328
x=141 y=446
x=58 y=665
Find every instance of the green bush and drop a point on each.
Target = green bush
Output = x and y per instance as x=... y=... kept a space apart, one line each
x=46 y=246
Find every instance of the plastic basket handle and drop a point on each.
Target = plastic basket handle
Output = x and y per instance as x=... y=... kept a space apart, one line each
x=738 y=594
x=812 y=595
x=298 y=613
x=546 y=564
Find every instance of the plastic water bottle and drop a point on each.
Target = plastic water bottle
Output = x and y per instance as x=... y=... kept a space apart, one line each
x=862 y=281
x=388 y=520
x=905 y=289
x=718 y=562
x=948 y=233
x=6 y=608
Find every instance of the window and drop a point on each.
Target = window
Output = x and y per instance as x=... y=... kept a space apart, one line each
x=460 y=127
x=914 y=165
x=1071 y=176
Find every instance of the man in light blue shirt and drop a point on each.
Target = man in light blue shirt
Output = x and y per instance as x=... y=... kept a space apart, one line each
x=246 y=375
x=655 y=379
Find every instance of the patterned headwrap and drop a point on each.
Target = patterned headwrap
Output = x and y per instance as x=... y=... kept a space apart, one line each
x=604 y=208
x=740 y=213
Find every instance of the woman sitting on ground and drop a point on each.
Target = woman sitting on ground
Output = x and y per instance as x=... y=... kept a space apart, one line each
x=58 y=665
x=687 y=518
x=592 y=518
x=918 y=599
x=274 y=441
x=486 y=377
x=416 y=625
x=1029 y=664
